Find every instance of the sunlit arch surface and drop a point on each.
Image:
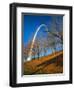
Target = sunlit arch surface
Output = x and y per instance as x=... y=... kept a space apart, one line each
x=38 y=29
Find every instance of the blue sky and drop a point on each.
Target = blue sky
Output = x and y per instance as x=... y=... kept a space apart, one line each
x=32 y=22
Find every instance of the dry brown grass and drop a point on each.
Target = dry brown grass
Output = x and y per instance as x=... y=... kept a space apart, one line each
x=45 y=65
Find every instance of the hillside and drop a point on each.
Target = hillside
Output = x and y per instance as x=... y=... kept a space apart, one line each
x=45 y=65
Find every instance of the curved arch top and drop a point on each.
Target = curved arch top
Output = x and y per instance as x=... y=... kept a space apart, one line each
x=38 y=29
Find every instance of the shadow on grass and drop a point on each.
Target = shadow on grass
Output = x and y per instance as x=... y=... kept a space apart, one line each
x=56 y=60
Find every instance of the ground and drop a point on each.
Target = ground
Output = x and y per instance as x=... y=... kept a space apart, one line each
x=50 y=64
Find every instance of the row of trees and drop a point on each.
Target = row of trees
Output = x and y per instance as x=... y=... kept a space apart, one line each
x=46 y=40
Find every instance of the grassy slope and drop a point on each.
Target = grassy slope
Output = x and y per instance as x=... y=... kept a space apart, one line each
x=45 y=65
